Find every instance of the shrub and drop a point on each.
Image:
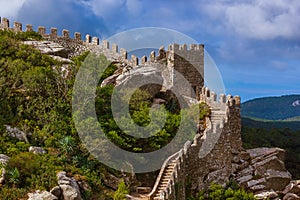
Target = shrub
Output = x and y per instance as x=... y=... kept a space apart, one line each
x=121 y=192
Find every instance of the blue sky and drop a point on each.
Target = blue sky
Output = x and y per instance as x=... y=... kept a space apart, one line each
x=255 y=43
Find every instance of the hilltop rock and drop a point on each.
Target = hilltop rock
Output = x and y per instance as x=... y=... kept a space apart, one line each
x=266 y=172
x=49 y=47
x=142 y=75
x=41 y=196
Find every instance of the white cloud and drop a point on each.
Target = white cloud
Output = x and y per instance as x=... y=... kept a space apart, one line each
x=258 y=19
x=104 y=8
x=10 y=8
x=134 y=7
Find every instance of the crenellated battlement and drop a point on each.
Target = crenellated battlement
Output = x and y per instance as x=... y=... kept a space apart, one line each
x=188 y=62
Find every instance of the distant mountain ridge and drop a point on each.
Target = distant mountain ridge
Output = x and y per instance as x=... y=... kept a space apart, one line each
x=273 y=108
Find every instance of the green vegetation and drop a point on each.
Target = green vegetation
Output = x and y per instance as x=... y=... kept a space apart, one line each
x=272 y=108
x=36 y=97
x=218 y=192
x=121 y=192
x=271 y=124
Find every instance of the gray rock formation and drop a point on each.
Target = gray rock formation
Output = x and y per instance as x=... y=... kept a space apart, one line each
x=41 y=196
x=266 y=174
x=69 y=187
x=292 y=191
x=49 y=47
x=3 y=161
x=17 y=133
x=37 y=150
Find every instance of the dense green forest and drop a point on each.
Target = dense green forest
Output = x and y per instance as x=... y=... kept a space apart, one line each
x=270 y=124
x=273 y=108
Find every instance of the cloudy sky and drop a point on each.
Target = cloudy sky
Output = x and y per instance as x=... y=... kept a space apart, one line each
x=255 y=43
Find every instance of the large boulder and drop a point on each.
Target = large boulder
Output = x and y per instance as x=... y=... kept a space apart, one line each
x=149 y=76
x=44 y=195
x=49 y=47
x=265 y=173
x=3 y=161
x=37 y=150
x=69 y=187
x=292 y=191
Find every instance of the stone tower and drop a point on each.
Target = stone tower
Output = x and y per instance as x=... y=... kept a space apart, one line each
x=189 y=63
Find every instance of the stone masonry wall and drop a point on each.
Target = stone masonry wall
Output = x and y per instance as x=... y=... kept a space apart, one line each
x=209 y=157
x=187 y=62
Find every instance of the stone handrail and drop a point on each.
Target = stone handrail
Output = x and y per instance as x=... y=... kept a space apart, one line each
x=159 y=177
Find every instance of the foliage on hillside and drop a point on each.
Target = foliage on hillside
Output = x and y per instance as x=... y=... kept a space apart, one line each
x=272 y=108
x=36 y=96
x=230 y=192
x=269 y=125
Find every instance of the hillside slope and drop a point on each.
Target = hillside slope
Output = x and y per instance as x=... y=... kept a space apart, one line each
x=273 y=108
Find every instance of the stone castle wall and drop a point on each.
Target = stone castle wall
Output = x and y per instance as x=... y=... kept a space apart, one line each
x=187 y=62
x=209 y=157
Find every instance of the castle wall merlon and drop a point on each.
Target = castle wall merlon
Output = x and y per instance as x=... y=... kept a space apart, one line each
x=42 y=30
x=105 y=44
x=222 y=98
x=88 y=39
x=152 y=56
x=17 y=27
x=134 y=60
x=213 y=96
x=174 y=47
x=95 y=41
x=183 y=47
x=230 y=101
x=161 y=53
x=207 y=92
x=144 y=59
x=29 y=28
x=237 y=100
x=65 y=33
x=5 y=23
x=53 y=33
x=77 y=36
x=123 y=53
x=115 y=48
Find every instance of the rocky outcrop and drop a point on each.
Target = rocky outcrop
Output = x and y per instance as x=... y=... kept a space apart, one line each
x=68 y=188
x=111 y=181
x=292 y=191
x=265 y=174
x=37 y=150
x=142 y=76
x=17 y=133
x=44 y=195
x=49 y=47
x=3 y=161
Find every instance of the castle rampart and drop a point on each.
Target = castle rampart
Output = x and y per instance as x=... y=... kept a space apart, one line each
x=212 y=152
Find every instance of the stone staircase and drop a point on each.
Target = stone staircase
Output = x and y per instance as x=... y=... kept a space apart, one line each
x=167 y=174
x=217 y=119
